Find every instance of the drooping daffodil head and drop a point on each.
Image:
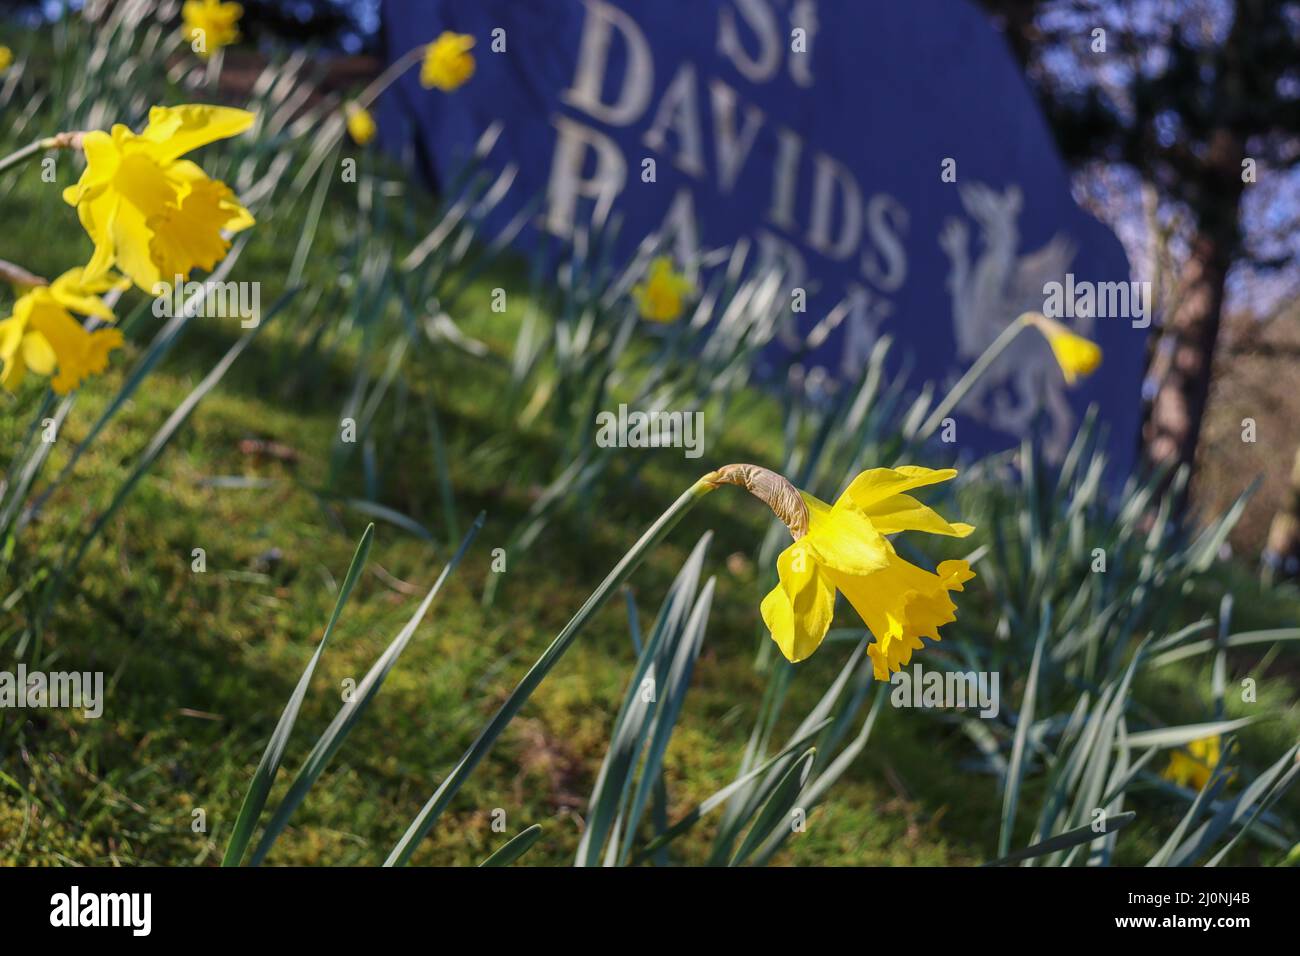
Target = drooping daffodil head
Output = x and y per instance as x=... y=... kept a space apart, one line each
x=1078 y=357
x=43 y=336
x=662 y=296
x=151 y=214
x=209 y=25
x=448 y=64
x=844 y=547
x=6 y=58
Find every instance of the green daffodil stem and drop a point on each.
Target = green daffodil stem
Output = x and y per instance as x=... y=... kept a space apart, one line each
x=967 y=381
x=389 y=76
x=61 y=141
x=24 y=154
x=332 y=133
x=429 y=814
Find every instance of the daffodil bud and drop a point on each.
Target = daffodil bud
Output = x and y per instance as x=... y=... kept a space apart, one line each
x=1077 y=356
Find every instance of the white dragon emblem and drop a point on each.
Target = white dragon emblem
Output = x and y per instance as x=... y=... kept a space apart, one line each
x=988 y=293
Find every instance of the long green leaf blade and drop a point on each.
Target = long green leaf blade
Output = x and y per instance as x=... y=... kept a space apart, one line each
x=516 y=847
x=264 y=775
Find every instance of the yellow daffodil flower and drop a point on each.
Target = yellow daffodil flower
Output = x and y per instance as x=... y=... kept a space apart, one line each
x=209 y=25
x=660 y=297
x=6 y=58
x=361 y=125
x=150 y=213
x=842 y=547
x=1076 y=355
x=448 y=64
x=43 y=336
x=1194 y=766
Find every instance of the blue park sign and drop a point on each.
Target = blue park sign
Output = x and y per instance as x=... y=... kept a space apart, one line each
x=887 y=155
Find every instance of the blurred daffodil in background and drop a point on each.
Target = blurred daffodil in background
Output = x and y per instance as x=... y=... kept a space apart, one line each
x=6 y=58
x=1194 y=766
x=209 y=25
x=448 y=64
x=150 y=213
x=661 y=297
x=1077 y=356
x=843 y=547
x=361 y=125
x=43 y=336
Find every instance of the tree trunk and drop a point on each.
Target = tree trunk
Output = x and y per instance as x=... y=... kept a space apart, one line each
x=1184 y=355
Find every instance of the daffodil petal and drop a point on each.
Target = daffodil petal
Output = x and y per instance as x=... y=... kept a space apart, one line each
x=904 y=513
x=97 y=217
x=132 y=240
x=102 y=159
x=11 y=366
x=179 y=129
x=954 y=574
x=38 y=355
x=88 y=282
x=846 y=540
x=877 y=484
x=70 y=291
x=798 y=611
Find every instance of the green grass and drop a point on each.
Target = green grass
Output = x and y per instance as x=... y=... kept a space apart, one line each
x=199 y=665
